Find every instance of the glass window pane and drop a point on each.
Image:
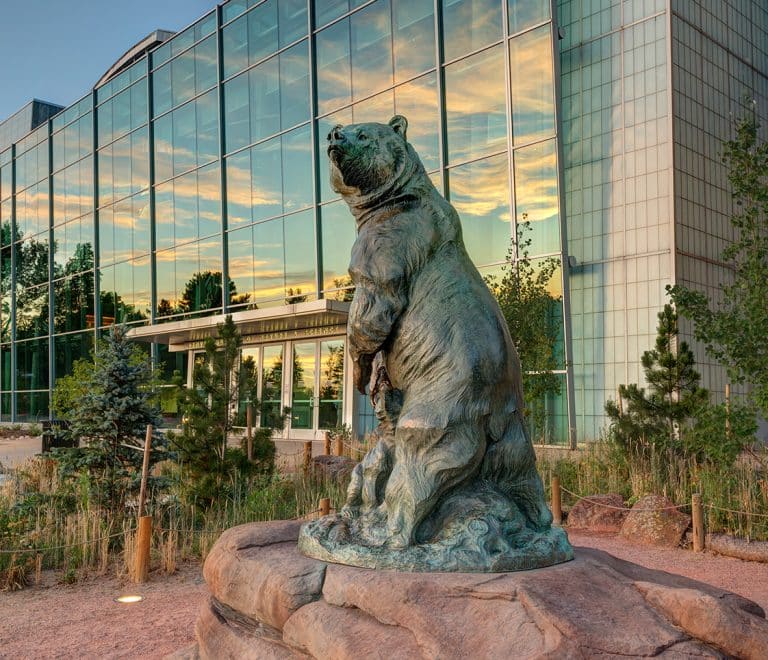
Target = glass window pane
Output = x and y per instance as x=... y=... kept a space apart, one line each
x=331 y=384
x=266 y=180
x=32 y=365
x=297 y=169
x=533 y=106
x=334 y=83
x=209 y=200
x=294 y=85
x=265 y=99
x=235 y=46
x=73 y=302
x=469 y=25
x=480 y=194
x=271 y=385
x=371 y=33
x=207 y=117
x=161 y=90
x=184 y=138
x=324 y=127
x=183 y=77
x=526 y=13
x=293 y=20
x=377 y=108
x=237 y=113
x=241 y=264
x=206 y=73
x=69 y=348
x=185 y=208
x=536 y=195
x=303 y=393
x=239 y=206
x=269 y=261
x=300 y=255
x=164 y=215
x=262 y=31
x=414 y=37
x=32 y=305
x=338 y=236
x=475 y=107
x=164 y=148
x=417 y=101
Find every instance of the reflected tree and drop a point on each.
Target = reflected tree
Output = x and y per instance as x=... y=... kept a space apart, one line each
x=533 y=315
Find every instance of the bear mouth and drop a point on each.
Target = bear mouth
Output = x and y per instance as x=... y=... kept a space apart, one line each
x=334 y=151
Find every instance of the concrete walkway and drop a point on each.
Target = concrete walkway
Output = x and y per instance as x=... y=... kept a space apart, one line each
x=14 y=451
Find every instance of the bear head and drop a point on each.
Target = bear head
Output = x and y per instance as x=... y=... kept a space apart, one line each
x=368 y=159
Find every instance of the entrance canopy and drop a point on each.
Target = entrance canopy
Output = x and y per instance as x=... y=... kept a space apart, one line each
x=317 y=318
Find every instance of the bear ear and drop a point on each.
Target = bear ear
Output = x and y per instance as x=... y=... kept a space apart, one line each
x=399 y=124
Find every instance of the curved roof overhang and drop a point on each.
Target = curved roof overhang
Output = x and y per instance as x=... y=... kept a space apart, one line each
x=134 y=53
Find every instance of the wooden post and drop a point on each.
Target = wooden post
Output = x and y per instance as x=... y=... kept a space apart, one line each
x=327 y=443
x=143 y=539
x=339 y=446
x=249 y=430
x=307 y=456
x=557 y=507
x=145 y=470
x=698 y=523
x=325 y=506
x=728 y=410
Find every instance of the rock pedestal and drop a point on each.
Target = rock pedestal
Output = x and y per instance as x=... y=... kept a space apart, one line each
x=269 y=601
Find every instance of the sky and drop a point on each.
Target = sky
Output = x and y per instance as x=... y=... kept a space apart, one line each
x=55 y=50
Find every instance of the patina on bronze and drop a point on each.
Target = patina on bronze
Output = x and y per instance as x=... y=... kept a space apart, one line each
x=451 y=483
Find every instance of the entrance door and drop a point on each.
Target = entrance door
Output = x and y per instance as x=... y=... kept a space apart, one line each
x=317 y=392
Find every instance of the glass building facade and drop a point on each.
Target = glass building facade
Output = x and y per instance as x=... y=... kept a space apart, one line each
x=193 y=183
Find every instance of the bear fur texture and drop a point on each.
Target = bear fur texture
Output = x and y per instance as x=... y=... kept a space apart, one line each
x=451 y=483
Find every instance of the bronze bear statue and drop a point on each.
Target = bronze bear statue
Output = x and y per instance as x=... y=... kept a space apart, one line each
x=453 y=461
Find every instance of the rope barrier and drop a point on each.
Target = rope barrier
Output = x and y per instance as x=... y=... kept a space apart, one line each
x=743 y=513
x=620 y=508
x=64 y=547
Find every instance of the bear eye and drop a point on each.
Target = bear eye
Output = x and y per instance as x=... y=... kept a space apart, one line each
x=362 y=136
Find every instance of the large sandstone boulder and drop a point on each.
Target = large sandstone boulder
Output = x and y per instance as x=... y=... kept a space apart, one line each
x=598 y=513
x=268 y=601
x=654 y=520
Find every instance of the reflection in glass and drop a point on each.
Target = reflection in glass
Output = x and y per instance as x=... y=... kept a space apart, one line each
x=292 y=24
x=480 y=193
x=533 y=106
x=414 y=37
x=417 y=100
x=73 y=299
x=475 y=107
x=334 y=72
x=371 y=52
x=69 y=348
x=377 y=108
x=331 y=384
x=32 y=405
x=269 y=261
x=266 y=180
x=536 y=195
x=299 y=232
x=271 y=385
x=32 y=364
x=324 y=127
x=32 y=307
x=338 y=236
x=303 y=392
x=469 y=25
x=526 y=13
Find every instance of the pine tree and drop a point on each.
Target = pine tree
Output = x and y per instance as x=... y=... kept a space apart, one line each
x=111 y=416
x=209 y=410
x=654 y=418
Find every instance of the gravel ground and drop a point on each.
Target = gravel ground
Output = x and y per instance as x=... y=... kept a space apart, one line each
x=83 y=621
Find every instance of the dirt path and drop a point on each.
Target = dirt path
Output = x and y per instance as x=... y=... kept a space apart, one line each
x=83 y=621
x=747 y=578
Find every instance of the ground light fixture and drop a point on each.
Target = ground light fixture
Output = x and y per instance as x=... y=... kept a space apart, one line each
x=129 y=598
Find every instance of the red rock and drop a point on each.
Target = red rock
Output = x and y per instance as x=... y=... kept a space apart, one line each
x=654 y=521
x=598 y=513
x=711 y=620
x=324 y=631
x=255 y=570
x=595 y=605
